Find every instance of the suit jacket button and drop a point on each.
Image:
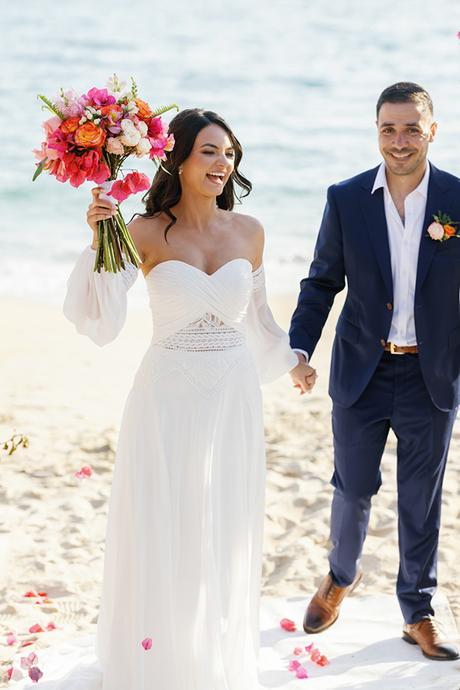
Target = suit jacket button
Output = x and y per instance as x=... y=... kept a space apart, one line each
x=383 y=342
x=389 y=306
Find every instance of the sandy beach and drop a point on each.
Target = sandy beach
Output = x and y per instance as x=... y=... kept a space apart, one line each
x=67 y=396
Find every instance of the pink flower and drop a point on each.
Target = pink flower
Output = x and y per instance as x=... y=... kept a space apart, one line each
x=35 y=674
x=309 y=647
x=11 y=639
x=51 y=626
x=85 y=472
x=97 y=97
x=294 y=665
x=132 y=184
x=288 y=625
x=301 y=672
x=436 y=231
x=297 y=651
x=114 y=145
x=147 y=643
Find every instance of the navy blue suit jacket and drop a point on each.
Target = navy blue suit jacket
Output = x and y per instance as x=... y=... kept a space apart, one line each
x=352 y=247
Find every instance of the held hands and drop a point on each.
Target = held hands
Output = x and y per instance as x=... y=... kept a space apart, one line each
x=303 y=375
x=99 y=209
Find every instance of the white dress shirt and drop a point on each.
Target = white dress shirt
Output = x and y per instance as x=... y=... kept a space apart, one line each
x=404 y=240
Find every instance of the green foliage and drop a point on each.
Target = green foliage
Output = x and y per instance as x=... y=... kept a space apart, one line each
x=50 y=106
x=164 y=109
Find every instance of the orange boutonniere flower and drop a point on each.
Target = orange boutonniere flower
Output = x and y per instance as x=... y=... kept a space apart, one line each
x=443 y=228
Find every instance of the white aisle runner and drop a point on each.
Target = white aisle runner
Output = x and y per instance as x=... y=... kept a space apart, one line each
x=364 y=647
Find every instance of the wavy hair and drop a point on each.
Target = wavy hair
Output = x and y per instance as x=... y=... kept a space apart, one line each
x=165 y=191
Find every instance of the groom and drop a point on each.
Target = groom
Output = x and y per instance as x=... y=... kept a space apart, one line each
x=396 y=355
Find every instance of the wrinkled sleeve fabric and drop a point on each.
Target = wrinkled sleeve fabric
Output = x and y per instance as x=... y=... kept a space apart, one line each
x=268 y=342
x=96 y=303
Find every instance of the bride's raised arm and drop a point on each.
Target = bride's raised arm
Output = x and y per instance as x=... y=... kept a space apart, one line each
x=96 y=303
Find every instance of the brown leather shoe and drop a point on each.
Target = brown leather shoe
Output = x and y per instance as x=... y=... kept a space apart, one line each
x=431 y=640
x=324 y=608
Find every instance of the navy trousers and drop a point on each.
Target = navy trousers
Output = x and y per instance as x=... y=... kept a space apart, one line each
x=396 y=398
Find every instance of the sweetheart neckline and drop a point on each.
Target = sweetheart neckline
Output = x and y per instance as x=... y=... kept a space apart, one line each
x=208 y=275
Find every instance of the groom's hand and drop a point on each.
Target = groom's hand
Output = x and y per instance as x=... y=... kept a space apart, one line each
x=303 y=375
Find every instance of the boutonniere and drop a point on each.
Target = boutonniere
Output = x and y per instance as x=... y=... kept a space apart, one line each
x=443 y=228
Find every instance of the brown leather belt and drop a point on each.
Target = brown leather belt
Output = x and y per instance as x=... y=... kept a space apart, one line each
x=401 y=349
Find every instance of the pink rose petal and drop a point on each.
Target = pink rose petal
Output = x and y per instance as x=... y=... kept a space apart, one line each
x=297 y=651
x=37 y=628
x=35 y=674
x=309 y=647
x=29 y=661
x=147 y=643
x=294 y=665
x=288 y=625
x=84 y=473
x=11 y=639
x=51 y=626
x=301 y=672
x=323 y=661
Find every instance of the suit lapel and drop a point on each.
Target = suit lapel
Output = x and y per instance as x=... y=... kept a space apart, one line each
x=428 y=247
x=374 y=215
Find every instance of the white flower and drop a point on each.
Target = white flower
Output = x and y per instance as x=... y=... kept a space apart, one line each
x=114 y=145
x=130 y=138
x=436 y=231
x=143 y=147
x=118 y=89
x=128 y=126
x=142 y=127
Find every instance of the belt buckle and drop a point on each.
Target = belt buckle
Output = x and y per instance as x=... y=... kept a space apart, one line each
x=393 y=351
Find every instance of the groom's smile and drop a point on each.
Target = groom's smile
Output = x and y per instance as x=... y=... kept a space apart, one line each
x=405 y=132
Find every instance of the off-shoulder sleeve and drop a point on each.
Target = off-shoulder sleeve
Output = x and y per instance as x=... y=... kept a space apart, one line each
x=96 y=302
x=268 y=342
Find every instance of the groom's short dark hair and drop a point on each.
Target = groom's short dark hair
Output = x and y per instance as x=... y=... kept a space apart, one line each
x=405 y=92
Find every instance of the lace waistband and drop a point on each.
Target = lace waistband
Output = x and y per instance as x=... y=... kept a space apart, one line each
x=206 y=334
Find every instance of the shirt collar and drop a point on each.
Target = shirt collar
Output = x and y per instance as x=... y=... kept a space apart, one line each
x=381 y=181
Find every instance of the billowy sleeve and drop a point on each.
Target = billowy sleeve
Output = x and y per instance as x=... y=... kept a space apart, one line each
x=268 y=342
x=96 y=303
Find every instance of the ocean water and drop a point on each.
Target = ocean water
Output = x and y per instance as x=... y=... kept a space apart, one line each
x=296 y=79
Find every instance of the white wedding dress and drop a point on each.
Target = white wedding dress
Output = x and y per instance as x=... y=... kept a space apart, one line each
x=184 y=535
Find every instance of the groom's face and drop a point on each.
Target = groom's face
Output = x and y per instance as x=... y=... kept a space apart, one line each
x=405 y=133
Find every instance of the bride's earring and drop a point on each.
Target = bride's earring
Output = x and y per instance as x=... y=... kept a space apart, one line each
x=180 y=170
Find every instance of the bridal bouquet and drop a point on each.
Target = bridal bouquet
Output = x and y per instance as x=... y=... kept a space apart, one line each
x=89 y=138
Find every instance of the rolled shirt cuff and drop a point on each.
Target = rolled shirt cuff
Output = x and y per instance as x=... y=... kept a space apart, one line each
x=302 y=352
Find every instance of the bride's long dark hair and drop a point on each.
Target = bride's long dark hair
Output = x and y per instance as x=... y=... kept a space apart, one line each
x=165 y=191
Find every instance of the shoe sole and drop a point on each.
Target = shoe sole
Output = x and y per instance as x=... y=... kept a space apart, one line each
x=313 y=631
x=410 y=640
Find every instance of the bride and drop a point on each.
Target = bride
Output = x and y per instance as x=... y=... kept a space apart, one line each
x=184 y=536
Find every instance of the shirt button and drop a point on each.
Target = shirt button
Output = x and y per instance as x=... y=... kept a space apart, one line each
x=383 y=342
x=389 y=306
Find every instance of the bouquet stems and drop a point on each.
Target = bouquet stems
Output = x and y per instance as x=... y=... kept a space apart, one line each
x=115 y=245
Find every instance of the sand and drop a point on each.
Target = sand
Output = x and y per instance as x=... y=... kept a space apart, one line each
x=67 y=395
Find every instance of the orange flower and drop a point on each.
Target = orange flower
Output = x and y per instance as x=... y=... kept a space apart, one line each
x=89 y=136
x=145 y=112
x=449 y=230
x=112 y=111
x=70 y=125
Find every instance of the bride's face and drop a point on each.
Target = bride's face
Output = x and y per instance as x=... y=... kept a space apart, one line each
x=210 y=164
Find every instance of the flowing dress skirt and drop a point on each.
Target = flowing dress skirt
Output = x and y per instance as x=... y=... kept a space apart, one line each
x=184 y=536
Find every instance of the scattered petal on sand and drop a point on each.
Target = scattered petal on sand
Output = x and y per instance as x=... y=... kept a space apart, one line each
x=84 y=473
x=51 y=626
x=35 y=674
x=11 y=639
x=37 y=628
x=288 y=625
x=301 y=672
x=147 y=643
x=294 y=665
x=297 y=651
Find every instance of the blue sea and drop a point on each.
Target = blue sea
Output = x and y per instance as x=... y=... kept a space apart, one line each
x=296 y=79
